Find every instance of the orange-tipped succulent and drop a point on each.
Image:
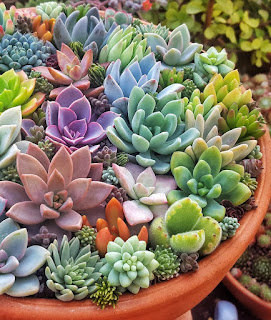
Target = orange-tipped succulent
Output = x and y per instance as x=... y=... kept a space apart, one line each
x=43 y=30
x=114 y=226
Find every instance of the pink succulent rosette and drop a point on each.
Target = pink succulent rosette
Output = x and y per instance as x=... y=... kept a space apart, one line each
x=53 y=191
x=72 y=71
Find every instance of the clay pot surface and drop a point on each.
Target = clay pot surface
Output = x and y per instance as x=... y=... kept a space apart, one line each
x=260 y=308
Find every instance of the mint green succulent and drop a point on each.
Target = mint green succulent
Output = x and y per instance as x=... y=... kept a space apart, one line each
x=72 y=271
x=242 y=117
x=169 y=263
x=177 y=51
x=185 y=229
x=153 y=130
x=124 y=45
x=120 y=18
x=204 y=182
x=18 y=263
x=162 y=31
x=129 y=264
x=256 y=153
x=229 y=227
x=10 y=128
x=209 y=63
x=49 y=10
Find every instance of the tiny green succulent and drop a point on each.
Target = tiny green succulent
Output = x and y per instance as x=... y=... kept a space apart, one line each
x=256 y=153
x=106 y=294
x=169 y=263
x=261 y=268
x=109 y=176
x=72 y=271
x=252 y=183
x=10 y=174
x=185 y=229
x=77 y=48
x=48 y=10
x=96 y=75
x=229 y=227
x=129 y=264
x=87 y=236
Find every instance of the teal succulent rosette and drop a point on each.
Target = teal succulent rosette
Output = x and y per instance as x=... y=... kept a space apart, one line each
x=126 y=153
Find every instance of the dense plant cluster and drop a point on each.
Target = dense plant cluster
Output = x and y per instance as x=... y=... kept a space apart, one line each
x=253 y=269
x=126 y=153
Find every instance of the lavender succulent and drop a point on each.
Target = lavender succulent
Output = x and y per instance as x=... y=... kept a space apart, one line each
x=18 y=263
x=71 y=123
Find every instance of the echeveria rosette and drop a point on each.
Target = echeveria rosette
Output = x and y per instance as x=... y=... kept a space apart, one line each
x=16 y=90
x=18 y=263
x=177 y=51
x=124 y=45
x=10 y=144
x=72 y=71
x=71 y=123
x=210 y=63
x=204 y=182
x=118 y=85
x=129 y=264
x=185 y=229
x=48 y=10
x=153 y=130
x=23 y=52
x=89 y=30
x=58 y=191
x=72 y=271
x=147 y=190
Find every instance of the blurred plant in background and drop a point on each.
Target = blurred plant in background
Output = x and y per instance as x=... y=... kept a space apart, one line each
x=239 y=26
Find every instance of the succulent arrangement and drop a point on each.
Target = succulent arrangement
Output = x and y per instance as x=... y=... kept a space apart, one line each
x=253 y=269
x=126 y=153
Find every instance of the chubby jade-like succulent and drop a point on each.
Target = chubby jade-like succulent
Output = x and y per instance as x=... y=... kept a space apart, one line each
x=72 y=271
x=129 y=264
x=18 y=263
x=185 y=229
x=147 y=190
x=204 y=182
x=123 y=45
x=209 y=63
x=72 y=70
x=177 y=51
x=118 y=85
x=7 y=19
x=22 y=52
x=229 y=227
x=58 y=191
x=89 y=30
x=48 y=10
x=242 y=117
x=43 y=29
x=10 y=127
x=16 y=90
x=152 y=131
x=227 y=90
x=121 y=18
x=71 y=123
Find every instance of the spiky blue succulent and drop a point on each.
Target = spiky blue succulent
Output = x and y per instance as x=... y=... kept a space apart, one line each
x=118 y=85
x=89 y=30
x=22 y=52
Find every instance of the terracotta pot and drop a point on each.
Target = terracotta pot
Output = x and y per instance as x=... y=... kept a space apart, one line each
x=260 y=308
x=166 y=300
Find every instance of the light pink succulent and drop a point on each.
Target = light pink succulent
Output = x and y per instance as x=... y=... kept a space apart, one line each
x=72 y=71
x=58 y=191
x=147 y=190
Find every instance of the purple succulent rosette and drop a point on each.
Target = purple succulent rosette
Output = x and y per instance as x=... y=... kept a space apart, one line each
x=71 y=123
